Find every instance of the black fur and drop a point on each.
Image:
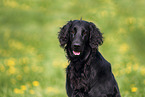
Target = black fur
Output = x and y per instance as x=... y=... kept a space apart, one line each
x=88 y=74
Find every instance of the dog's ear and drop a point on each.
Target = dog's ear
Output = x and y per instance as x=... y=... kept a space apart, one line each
x=96 y=37
x=63 y=35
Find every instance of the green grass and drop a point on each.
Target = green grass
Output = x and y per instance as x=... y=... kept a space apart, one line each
x=33 y=65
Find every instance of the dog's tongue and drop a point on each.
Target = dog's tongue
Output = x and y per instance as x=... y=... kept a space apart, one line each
x=76 y=53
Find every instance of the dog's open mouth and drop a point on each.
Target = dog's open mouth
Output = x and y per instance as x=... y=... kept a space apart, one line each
x=76 y=53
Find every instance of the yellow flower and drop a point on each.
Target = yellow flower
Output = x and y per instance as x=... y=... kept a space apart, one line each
x=143 y=71
x=65 y=64
x=25 y=7
x=2 y=68
x=12 y=70
x=23 y=87
x=21 y=92
x=116 y=73
x=31 y=92
x=12 y=4
x=11 y=62
x=133 y=89
x=52 y=90
x=135 y=67
x=58 y=63
x=18 y=91
x=16 y=44
x=121 y=30
x=131 y=20
x=25 y=60
x=104 y=13
x=35 y=83
x=128 y=69
x=124 y=48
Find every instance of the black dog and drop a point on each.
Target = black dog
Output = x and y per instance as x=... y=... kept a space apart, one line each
x=88 y=74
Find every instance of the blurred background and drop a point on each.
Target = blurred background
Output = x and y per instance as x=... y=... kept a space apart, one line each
x=33 y=65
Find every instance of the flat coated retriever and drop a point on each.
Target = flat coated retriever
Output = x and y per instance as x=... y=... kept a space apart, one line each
x=88 y=74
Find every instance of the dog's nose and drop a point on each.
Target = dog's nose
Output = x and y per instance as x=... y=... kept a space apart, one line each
x=76 y=45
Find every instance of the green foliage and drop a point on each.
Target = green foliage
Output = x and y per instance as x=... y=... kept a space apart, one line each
x=33 y=65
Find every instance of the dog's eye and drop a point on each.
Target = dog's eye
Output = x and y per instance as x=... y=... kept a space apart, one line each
x=75 y=29
x=73 y=32
x=84 y=32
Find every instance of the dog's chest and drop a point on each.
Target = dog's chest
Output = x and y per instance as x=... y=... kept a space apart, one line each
x=79 y=78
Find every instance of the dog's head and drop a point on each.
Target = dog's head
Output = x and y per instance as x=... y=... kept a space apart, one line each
x=79 y=36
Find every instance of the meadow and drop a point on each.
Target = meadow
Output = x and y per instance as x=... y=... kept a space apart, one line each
x=32 y=64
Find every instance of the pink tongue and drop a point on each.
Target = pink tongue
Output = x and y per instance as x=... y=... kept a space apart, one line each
x=76 y=53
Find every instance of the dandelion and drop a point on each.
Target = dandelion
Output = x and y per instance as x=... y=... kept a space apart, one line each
x=133 y=89
x=25 y=7
x=104 y=13
x=52 y=90
x=121 y=72
x=128 y=69
x=23 y=87
x=121 y=30
x=12 y=4
x=56 y=63
x=16 y=44
x=25 y=60
x=31 y=92
x=11 y=62
x=131 y=20
x=124 y=48
x=135 y=67
x=116 y=73
x=2 y=68
x=65 y=64
x=35 y=83
x=60 y=64
x=143 y=71
x=12 y=70
x=21 y=92
x=18 y=91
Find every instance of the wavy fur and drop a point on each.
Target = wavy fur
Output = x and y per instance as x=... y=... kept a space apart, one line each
x=89 y=75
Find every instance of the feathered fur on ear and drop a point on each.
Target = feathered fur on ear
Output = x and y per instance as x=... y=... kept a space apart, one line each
x=96 y=37
x=63 y=35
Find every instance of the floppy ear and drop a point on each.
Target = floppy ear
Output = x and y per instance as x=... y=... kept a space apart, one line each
x=63 y=35
x=96 y=37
